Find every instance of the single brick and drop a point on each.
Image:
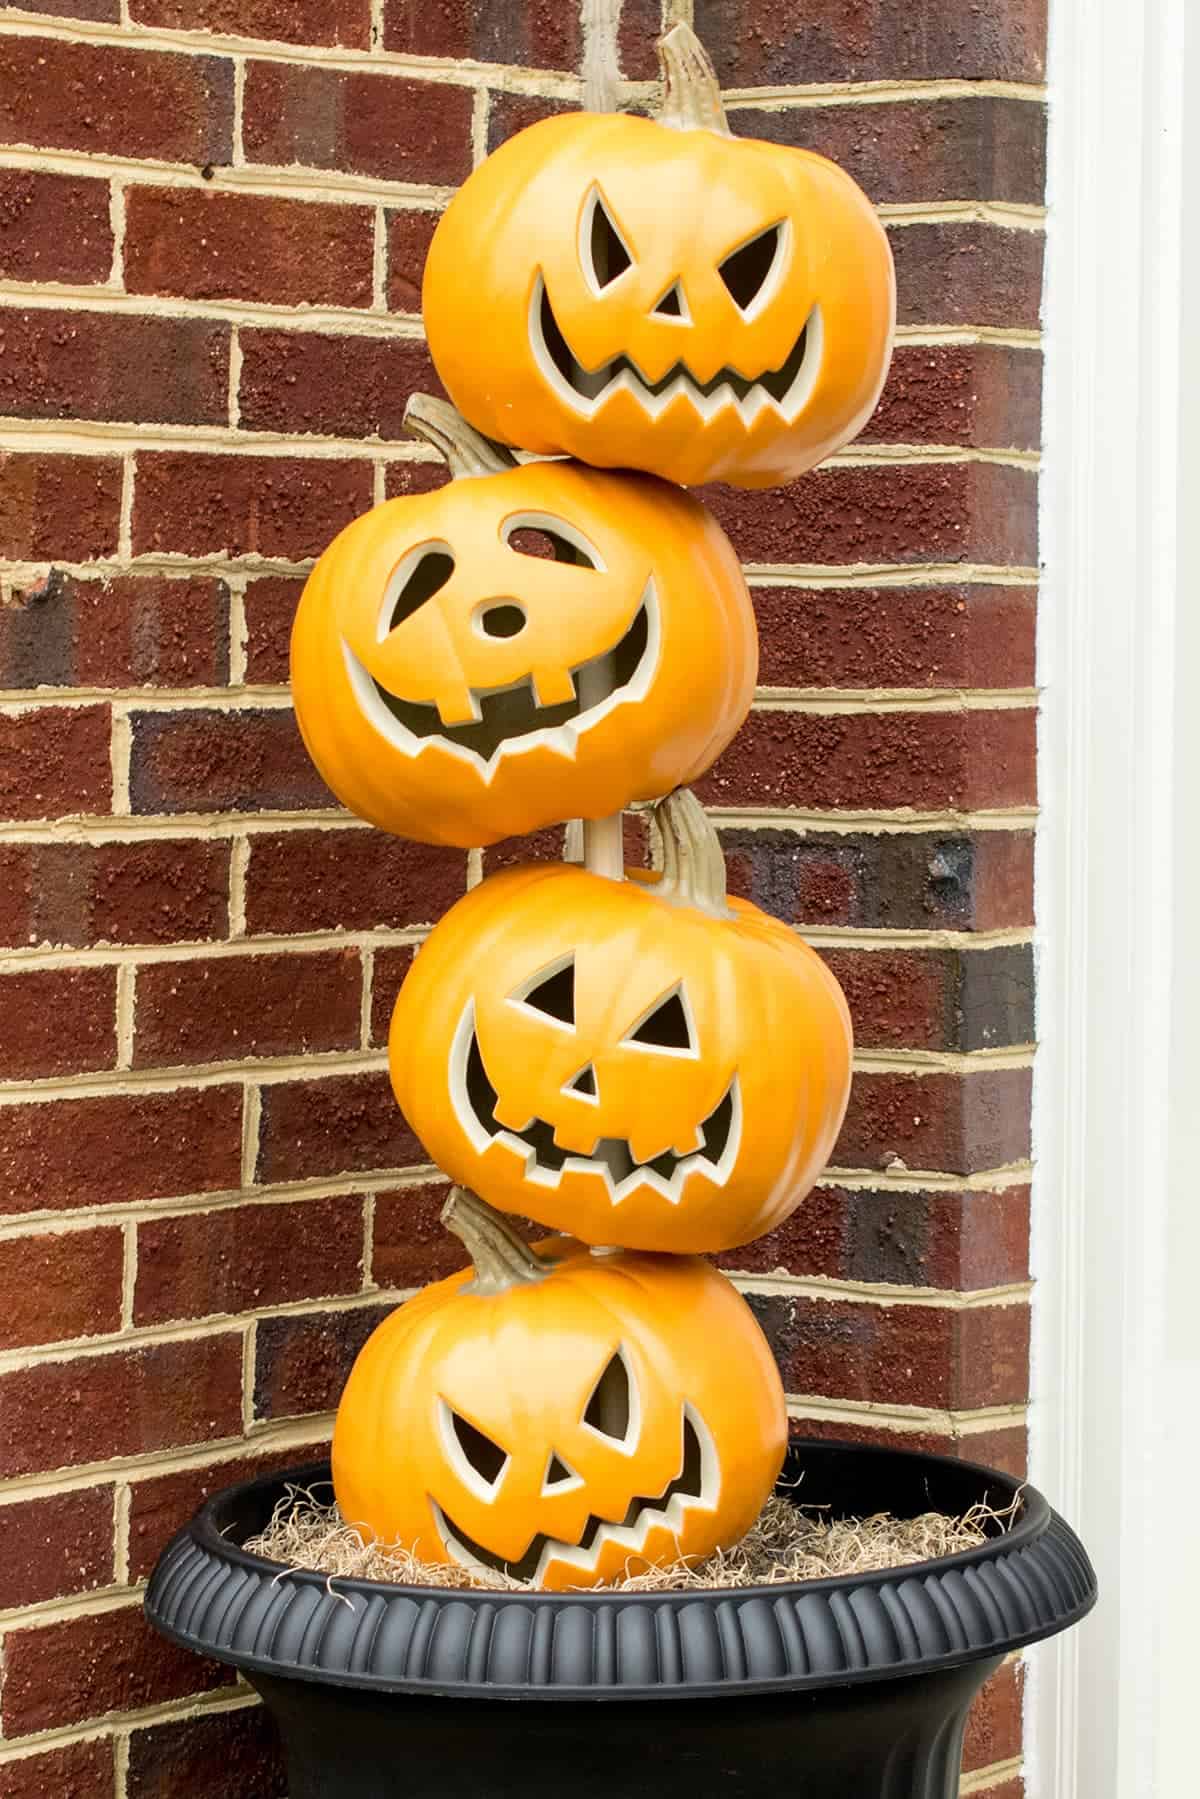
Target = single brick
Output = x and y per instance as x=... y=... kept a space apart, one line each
x=349 y=880
x=66 y=1547
x=162 y=1503
x=85 y=365
x=896 y=636
x=380 y=125
x=54 y=761
x=510 y=113
x=343 y=1124
x=81 y=1770
x=73 y=894
x=896 y=880
x=119 y=1149
x=240 y=761
x=546 y=845
x=966 y=273
x=898 y=1354
x=94 y=1407
x=66 y=95
x=59 y=1674
x=933 y=761
x=408 y=237
x=57 y=1021
x=65 y=507
x=101 y=11
x=756 y=43
x=243 y=1257
x=346 y=22
x=972 y=148
x=953 y=1241
x=640 y=25
x=303 y=381
x=414 y=477
x=898 y=513
x=270 y=606
x=54 y=227
x=959 y=1124
x=302 y=1363
x=234 y=1755
x=60 y=1286
x=544 y=34
x=986 y=395
x=805 y=1425
x=938 y=999
x=411 y=1246
x=284 y=506
x=223 y=1009
x=1005 y=1447
x=994 y=1723
x=209 y=245
x=132 y=631
x=389 y=969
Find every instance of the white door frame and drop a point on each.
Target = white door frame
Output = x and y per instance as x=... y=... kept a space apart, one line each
x=1117 y=1088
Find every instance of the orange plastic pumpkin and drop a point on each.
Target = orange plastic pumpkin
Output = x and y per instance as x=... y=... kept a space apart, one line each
x=565 y=1416
x=455 y=685
x=662 y=295
x=637 y=1062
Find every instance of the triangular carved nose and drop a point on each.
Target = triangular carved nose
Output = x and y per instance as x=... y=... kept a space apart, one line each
x=673 y=305
x=583 y=1083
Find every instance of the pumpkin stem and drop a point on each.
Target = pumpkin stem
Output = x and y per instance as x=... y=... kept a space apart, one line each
x=693 y=864
x=691 y=91
x=501 y=1255
x=467 y=451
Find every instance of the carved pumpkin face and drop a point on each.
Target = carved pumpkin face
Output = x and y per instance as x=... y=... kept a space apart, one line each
x=562 y=1415
x=678 y=300
x=590 y=1054
x=518 y=648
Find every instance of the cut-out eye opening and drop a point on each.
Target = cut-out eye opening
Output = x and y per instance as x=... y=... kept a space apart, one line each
x=417 y=579
x=673 y=305
x=558 y=1475
x=604 y=251
x=609 y=1411
x=553 y=993
x=746 y=271
x=666 y=1025
x=483 y=1457
x=552 y=539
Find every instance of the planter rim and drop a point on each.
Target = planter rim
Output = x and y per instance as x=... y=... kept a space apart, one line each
x=211 y=1595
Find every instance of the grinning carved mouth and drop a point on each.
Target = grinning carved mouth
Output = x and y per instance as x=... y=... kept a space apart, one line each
x=508 y=720
x=784 y=390
x=695 y=1486
x=612 y=1160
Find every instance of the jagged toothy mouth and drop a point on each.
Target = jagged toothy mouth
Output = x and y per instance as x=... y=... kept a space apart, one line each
x=509 y=720
x=694 y=1486
x=612 y=1159
x=784 y=390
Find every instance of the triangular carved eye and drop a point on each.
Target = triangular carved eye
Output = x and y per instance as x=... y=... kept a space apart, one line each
x=745 y=272
x=482 y=1461
x=552 y=993
x=667 y=1025
x=604 y=251
x=612 y=1407
x=416 y=580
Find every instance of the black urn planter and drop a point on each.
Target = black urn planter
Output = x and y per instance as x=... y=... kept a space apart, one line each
x=844 y=1688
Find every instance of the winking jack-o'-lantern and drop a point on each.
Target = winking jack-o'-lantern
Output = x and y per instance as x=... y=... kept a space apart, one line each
x=560 y=1415
x=659 y=294
x=527 y=644
x=636 y=1061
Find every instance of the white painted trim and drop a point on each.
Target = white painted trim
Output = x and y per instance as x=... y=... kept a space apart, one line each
x=1114 y=772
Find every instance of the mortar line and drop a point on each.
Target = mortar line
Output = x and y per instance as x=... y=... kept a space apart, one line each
x=239 y=110
x=122 y=1497
x=117 y=224
x=125 y=528
x=239 y=857
x=126 y=999
x=238 y=639
x=120 y=750
x=368 y=1256
x=480 y=114
x=379 y=260
x=251 y=1122
x=249 y=1362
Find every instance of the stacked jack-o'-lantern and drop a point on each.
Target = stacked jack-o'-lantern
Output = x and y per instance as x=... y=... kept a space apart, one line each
x=634 y=1059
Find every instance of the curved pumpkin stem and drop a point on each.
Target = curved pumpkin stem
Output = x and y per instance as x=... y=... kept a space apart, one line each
x=693 y=871
x=501 y=1255
x=691 y=91
x=467 y=451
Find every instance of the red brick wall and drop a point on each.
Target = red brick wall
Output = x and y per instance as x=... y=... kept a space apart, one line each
x=211 y=231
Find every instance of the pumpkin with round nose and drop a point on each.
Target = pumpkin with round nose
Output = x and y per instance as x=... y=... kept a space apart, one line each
x=661 y=295
x=560 y=1415
x=527 y=644
x=641 y=1061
